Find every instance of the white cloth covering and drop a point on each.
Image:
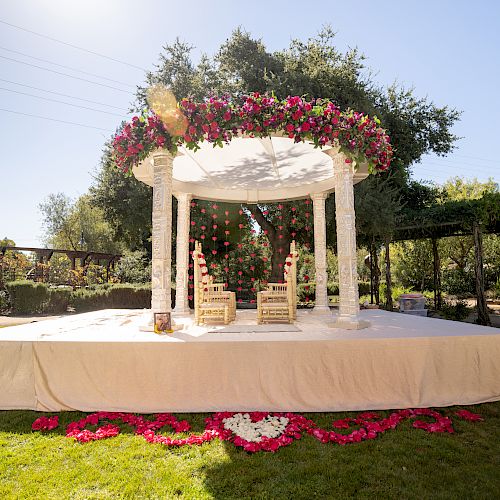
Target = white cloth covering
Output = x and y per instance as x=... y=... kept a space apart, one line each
x=101 y=361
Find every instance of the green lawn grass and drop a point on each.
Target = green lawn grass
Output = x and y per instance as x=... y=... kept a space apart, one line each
x=403 y=463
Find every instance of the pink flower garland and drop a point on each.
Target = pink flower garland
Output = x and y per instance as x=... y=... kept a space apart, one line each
x=370 y=425
x=218 y=120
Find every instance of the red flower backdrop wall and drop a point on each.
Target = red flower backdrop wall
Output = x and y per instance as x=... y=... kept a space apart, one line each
x=238 y=250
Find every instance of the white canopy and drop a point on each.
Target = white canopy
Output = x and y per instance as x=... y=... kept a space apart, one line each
x=251 y=170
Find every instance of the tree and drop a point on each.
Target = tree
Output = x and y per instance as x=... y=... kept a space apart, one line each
x=457 y=189
x=13 y=264
x=315 y=68
x=125 y=202
x=76 y=225
x=55 y=211
x=458 y=251
x=377 y=203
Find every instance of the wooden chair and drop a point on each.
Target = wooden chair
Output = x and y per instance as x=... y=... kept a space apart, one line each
x=211 y=302
x=279 y=301
x=218 y=290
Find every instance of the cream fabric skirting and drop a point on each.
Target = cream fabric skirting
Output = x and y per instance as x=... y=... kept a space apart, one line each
x=306 y=375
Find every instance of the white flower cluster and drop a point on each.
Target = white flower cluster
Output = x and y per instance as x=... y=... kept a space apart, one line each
x=242 y=426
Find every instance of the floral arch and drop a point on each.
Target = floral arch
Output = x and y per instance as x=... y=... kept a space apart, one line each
x=218 y=120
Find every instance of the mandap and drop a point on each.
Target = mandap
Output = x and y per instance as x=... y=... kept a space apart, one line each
x=253 y=149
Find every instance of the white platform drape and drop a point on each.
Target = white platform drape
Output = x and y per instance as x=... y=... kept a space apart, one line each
x=401 y=362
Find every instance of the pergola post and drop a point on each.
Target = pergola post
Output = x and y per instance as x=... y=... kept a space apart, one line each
x=182 y=253
x=321 y=302
x=161 y=297
x=345 y=217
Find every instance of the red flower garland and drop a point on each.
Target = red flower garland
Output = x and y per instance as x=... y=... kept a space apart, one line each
x=218 y=120
x=369 y=426
x=77 y=429
x=45 y=423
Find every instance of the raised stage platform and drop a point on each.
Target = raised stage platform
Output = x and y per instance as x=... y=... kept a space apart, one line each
x=102 y=361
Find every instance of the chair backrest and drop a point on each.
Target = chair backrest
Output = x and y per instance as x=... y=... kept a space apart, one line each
x=201 y=277
x=290 y=273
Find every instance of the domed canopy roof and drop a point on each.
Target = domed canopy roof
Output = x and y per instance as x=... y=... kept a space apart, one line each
x=251 y=170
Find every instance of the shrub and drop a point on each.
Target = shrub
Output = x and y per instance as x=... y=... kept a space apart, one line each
x=28 y=297
x=111 y=297
x=87 y=299
x=4 y=301
x=332 y=287
x=458 y=282
x=129 y=297
x=363 y=287
x=496 y=289
x=59 y=298
x=133 y=267
x=457 y=312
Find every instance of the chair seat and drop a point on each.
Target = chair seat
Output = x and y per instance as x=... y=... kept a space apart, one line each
x=214 y=305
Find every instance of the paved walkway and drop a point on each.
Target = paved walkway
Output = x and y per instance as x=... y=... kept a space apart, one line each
x=22 y=320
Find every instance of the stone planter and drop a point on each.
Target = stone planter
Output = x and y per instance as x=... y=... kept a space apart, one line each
x=412 y=303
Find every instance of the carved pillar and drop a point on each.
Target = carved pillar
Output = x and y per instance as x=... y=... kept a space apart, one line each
x=321 y=304
x=346 y=243
x=162 y=232
x=182 y=253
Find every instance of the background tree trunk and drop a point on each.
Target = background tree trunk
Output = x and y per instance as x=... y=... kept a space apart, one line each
x=388 y=277
x=275 y=241
x=437 y=274
x=371 y=274
x=482 y=310
x=376 y=277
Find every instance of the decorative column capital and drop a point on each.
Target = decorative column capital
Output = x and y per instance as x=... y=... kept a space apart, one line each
x=184 y=197
x=317 y=197
x=339 y=161
x=161 y=156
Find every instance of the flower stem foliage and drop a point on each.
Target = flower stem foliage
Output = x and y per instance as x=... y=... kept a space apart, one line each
x=219 y=119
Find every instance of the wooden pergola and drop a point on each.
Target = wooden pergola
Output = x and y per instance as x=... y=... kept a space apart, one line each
x=43 y=256
x=454 y=218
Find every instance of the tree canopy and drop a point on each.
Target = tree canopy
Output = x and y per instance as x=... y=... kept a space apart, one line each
x=313 y=68
x=76 y=225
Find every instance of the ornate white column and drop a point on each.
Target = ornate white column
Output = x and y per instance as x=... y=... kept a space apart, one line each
x=321 y=304
x=346 y=243
x=182 y=253
x=162 y=232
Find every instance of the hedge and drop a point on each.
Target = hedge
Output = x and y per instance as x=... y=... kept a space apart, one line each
x=111 y=297
x=332 y=287
x=28 y=297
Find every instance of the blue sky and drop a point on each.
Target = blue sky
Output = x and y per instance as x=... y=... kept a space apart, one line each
x=446 y=50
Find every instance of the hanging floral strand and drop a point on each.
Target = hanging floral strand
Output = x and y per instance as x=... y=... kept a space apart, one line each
x=253 y=255
x=214 y=232
x=192 y=239
x=227 y=232
x=307 y=245
x=239 y=260
x=280 y=238
x=265 y=260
